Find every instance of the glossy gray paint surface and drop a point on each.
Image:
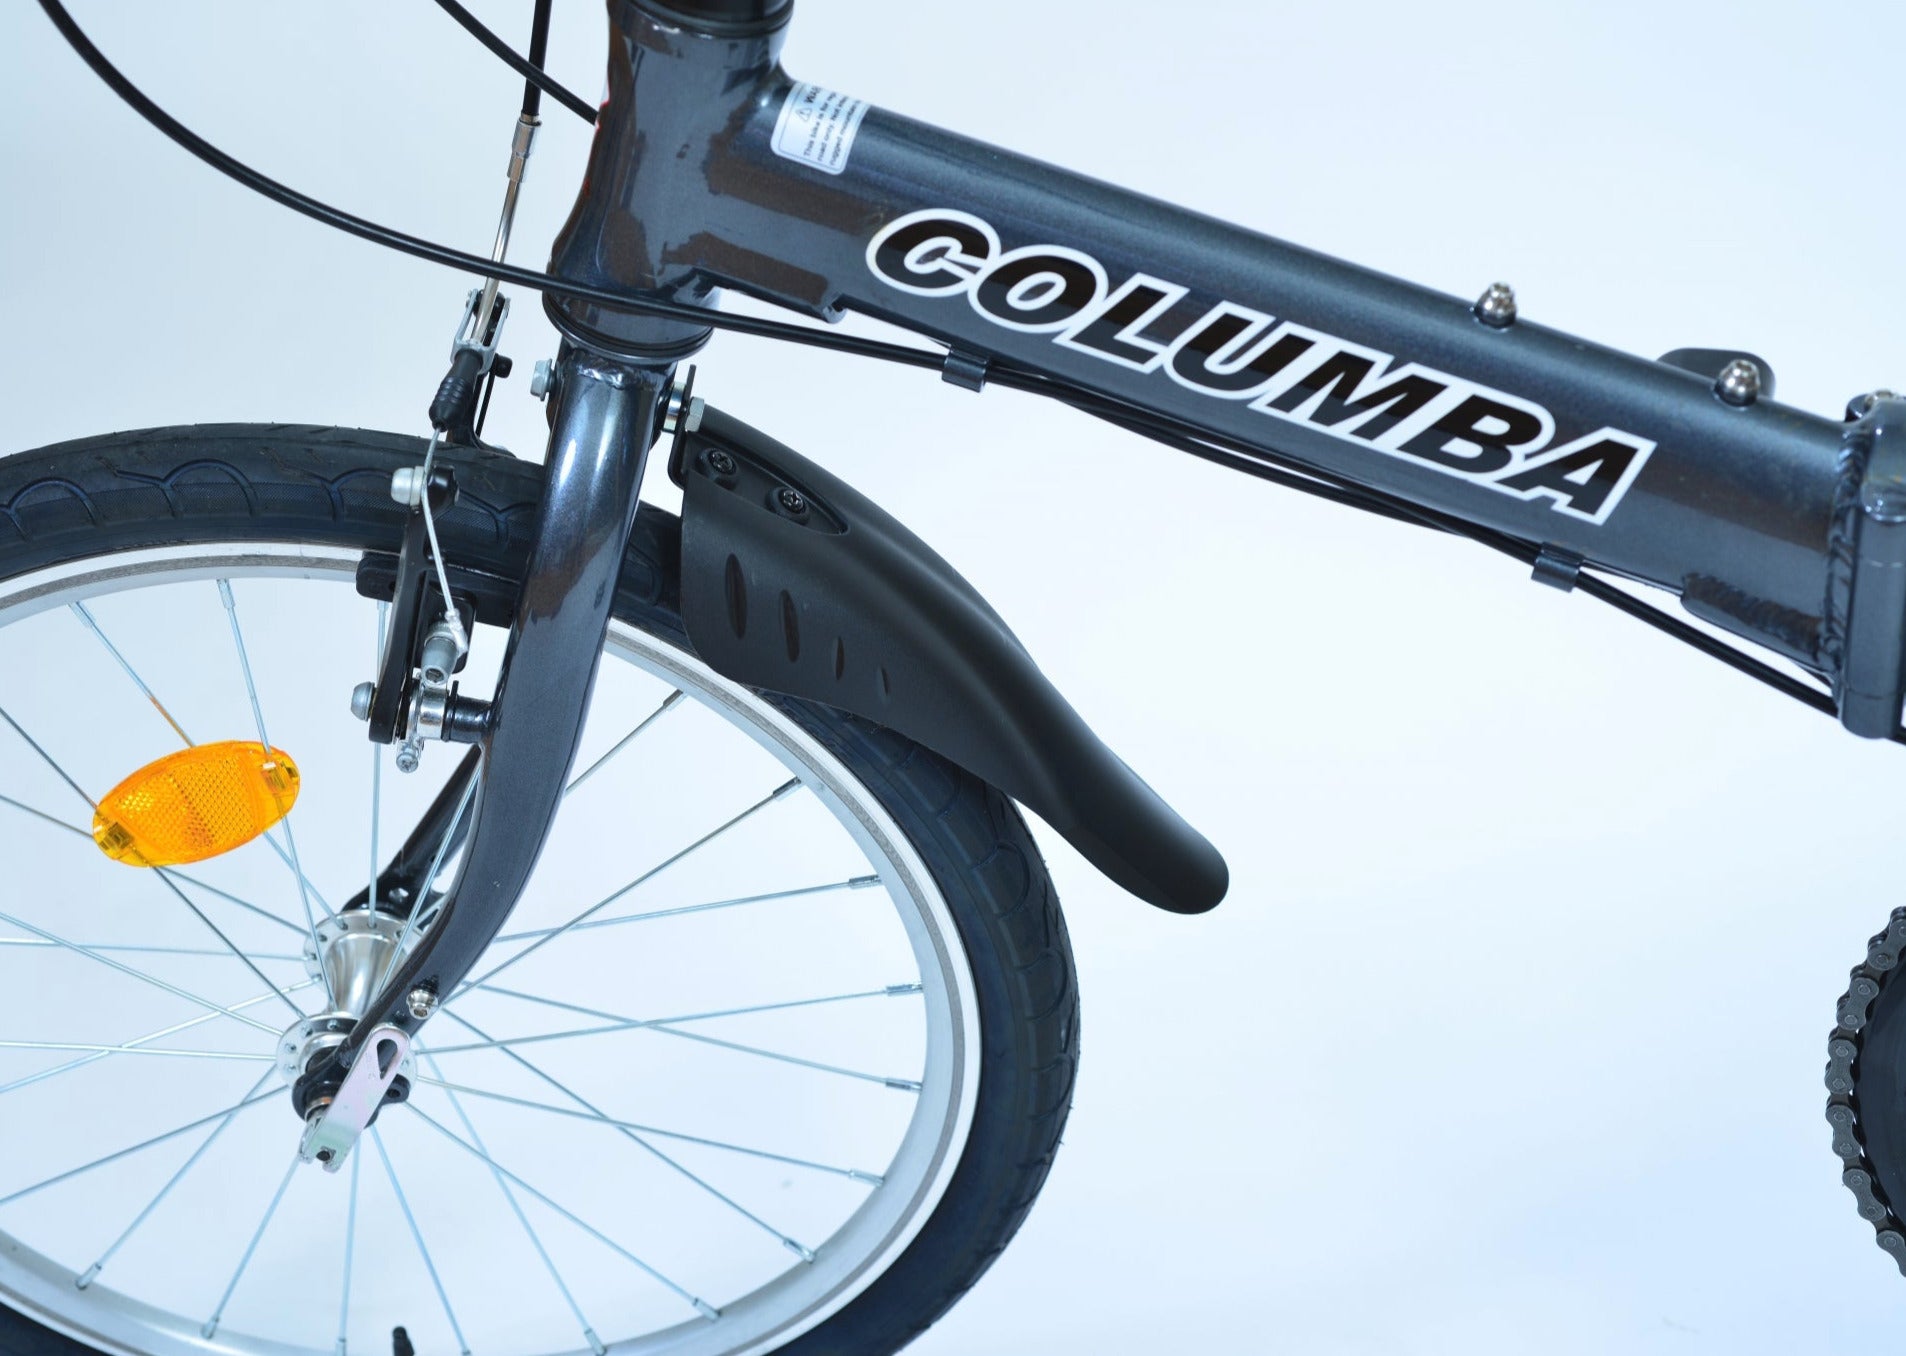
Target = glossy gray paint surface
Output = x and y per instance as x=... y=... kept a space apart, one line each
x=685 y=195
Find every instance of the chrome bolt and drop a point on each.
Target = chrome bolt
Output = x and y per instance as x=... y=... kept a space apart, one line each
x=409 y=754
x=439 y=654
x=361 y=700
x=407 y=485
x=677 y=405
x=792 y=501
x=682 y=413
x=1739 y=383
x=543 y=379
x=1862 y=405
x=421 y=1001
x=1496 y=307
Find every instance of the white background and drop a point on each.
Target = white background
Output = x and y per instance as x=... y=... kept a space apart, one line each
x=1510 y=1034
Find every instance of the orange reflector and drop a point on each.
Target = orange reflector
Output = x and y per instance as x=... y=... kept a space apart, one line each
x=195 y=804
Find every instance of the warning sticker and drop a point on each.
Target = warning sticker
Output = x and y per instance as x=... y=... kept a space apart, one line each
x=817 y=127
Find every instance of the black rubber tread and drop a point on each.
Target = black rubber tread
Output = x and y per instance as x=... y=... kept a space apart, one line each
x=330 y=486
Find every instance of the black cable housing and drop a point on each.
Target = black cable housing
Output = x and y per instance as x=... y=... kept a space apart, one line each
x=1264 y=464
x=532 y=69
x=538 y=56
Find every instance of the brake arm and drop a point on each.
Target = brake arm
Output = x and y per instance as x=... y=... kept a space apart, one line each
x=412 y=610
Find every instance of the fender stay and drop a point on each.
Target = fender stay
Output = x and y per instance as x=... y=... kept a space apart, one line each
x=794 y=582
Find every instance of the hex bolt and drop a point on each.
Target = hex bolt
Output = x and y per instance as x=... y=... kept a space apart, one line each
x=721 y=463
x=361 y=700
x=543 y=379
x=1496 y=307
x=791 y=501
x=1739 y=383
x=422 y=1001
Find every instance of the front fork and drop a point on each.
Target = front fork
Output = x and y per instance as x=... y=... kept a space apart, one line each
x=607 y=417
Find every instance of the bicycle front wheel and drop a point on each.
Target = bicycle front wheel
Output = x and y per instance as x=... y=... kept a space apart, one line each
x=773 y=1055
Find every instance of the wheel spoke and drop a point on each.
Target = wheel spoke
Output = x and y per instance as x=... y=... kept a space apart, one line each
x=115 y=1156
x=93 y=1271
x=853 y=883
x=153 y=980
x=133 y=1050
x=231 y=946
x=897 y=1084
x=79 y=610
x=701 y=1307
x=787 y=788
x=832 y=1169
x=305 y=893
x=592 y=1113
x=637 y=1024
x=668 y=704
x=210 y=1325
x=800 y=1250
x=390 y=1170
x=139 y=1041
x=54 y=820
x=266 y=914
x=122 y=948
x=49 y=760
x=516 y=1207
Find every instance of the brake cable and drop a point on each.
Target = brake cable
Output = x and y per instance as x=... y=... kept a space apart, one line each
x=1265 y=464
x=532 y=69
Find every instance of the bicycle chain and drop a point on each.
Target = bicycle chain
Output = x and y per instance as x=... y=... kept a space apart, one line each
x=1843 y=1114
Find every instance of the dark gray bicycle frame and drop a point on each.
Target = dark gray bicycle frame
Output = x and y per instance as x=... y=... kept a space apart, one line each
x=1733 y=510
x=1783 y=527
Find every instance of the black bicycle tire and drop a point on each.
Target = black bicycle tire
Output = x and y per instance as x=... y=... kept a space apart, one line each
x=330 y=486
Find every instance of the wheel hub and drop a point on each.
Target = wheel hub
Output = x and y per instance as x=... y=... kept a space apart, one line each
x=359 y=946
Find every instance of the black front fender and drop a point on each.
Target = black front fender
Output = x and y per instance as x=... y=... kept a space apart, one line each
x=794 y=582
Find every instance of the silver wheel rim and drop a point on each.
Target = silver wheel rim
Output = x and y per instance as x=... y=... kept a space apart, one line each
x=40 y=1279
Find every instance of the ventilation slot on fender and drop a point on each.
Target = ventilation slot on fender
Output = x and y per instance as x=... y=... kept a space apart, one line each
x=737 y=591
x=790 y=626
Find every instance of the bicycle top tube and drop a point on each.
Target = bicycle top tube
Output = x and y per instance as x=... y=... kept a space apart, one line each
x=713 y=168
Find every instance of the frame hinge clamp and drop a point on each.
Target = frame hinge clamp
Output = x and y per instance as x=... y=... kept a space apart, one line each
x=1871 y=519
x=1557 y=568
x=966 y=368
